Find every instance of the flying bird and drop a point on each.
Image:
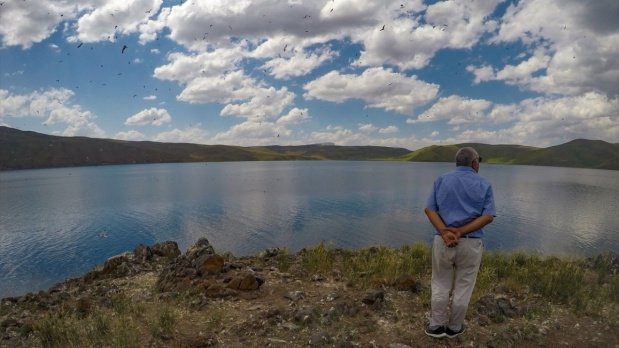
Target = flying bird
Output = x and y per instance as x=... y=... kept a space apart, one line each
x=80 y=45
x=124 y=48
x=383 y=28
x=285 y=48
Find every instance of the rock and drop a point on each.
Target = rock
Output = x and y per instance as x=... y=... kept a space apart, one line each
x=202 y=247
x=494 y=306
x=10 y=322
x=305 y=316
x=166 y=249
x=290 y=326
x=218 y=290
x=201 y=341
x=85 y=304
x=406 y=283
x=112 y=264
x=372 y=295
x=344 y=345
x=319 y=338
x=105 y=302
x=142 y=253
x=295 y=295
x=317 y=277
x=398 y=345
x=332 y=296
x=270 y=252
x=183 y=285
x=247 y=282
x=209 y=264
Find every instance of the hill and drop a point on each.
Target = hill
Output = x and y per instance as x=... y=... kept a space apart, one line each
x=579 y=153
x=30 y=150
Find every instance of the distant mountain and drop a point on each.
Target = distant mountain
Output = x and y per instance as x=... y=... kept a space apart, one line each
x=580 y=153
x=29 y=150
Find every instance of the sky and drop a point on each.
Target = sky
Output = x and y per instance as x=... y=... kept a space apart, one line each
x=406 y=73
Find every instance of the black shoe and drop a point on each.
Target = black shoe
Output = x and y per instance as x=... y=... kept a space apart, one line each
x=436 y=333
x=449 y=333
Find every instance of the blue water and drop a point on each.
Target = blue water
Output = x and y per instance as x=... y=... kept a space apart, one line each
x=51 y=219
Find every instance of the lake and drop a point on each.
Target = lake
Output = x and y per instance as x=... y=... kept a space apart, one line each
x=51 y=219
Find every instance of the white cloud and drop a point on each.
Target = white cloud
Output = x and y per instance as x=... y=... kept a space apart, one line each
x=294 y=116
x=26 y=23
x=267 y=102
x=380 y=88
x=408 y=41
x=83 y=128
x=298 y=63
x=150 y=97
x=55 y=105
x=456 y=109
x=387 y=130
x=367 y=128
x=189 y=135
x=130 y=136
x=112 y=18
x=15 y=73
x=252 y=133
x=579 y=37
x=152 y=116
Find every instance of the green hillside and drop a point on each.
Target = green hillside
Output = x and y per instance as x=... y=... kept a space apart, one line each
x=29 y=150
x=580 y=153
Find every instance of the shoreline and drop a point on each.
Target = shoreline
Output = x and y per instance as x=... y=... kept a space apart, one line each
x=320 y=296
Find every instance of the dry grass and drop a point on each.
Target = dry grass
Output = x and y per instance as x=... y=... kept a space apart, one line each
x=562 y=289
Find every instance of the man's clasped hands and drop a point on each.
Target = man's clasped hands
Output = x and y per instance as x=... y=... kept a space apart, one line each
x=450 y=236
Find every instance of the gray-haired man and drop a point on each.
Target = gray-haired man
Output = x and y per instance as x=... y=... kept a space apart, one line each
x=460 y=205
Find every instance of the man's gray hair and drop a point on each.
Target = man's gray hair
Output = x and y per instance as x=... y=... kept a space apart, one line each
x=465 y=156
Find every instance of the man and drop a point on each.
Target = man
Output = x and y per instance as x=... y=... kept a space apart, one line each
x=460 y=205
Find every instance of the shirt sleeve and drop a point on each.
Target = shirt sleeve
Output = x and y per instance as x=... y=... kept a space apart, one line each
x=489 y=208
x=431 y=201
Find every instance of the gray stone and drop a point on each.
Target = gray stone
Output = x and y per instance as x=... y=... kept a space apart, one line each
x=319 y=338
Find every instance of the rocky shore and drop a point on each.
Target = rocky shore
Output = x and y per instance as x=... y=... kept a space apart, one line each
x=157 y=296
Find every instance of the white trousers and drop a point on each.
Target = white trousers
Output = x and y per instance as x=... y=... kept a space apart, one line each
x=455 y=268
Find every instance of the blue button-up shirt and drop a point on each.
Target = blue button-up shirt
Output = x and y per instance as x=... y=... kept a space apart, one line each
x=461 y=196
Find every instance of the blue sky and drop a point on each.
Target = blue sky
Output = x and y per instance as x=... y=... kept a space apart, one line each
x=350 y=72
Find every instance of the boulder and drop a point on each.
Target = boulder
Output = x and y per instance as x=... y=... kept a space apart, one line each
x=209 y=264
x=113 y=265
x=372 y=296
x=319 y=338
x=406 y=283
x=143 y=253
x=166 y=249
x=200 y=261
x=495 y=306
x=202 y=247
x=247 y=282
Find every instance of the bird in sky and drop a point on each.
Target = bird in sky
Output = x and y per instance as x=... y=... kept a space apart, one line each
x=285 y=48
x=124 y=48
x=80 y=45
x=383 y=28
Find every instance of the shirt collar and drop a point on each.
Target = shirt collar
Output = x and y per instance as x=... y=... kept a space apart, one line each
x=465 y=169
